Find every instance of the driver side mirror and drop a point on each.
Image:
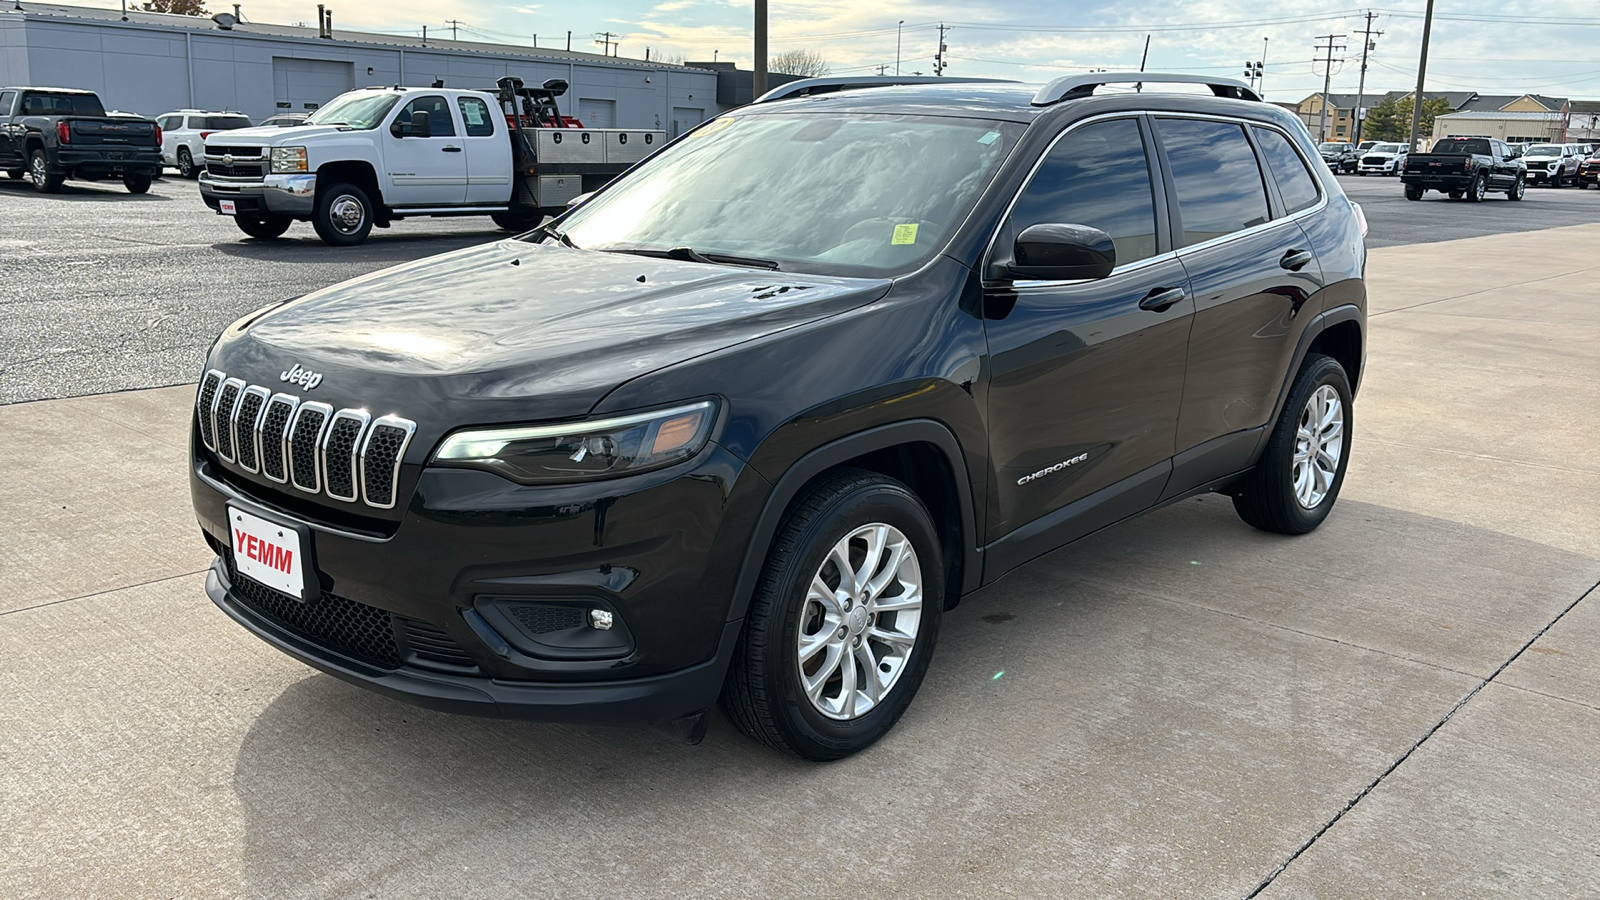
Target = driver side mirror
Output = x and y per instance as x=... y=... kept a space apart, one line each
x=419 y=126
x=1055 y=252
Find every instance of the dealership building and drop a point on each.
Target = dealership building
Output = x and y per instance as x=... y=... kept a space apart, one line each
x=151 y=63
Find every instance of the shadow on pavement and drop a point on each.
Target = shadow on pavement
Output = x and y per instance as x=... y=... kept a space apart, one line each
x=79 y=192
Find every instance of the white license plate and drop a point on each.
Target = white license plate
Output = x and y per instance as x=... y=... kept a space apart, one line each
x=267 y=552
x=228 y=207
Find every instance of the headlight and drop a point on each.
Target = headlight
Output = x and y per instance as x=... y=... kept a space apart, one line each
x=581 y=451
x=288 y=159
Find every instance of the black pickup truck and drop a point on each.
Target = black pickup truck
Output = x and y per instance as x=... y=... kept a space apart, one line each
x=1466 y=167
x=52 y=134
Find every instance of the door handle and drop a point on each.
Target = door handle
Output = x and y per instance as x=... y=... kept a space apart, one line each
x=1295 y=260
x=451 y=149
x=1160 y=299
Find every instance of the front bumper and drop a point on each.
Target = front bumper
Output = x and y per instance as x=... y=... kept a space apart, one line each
x=283 y=195
x=1540 y=176
x=1384 y=168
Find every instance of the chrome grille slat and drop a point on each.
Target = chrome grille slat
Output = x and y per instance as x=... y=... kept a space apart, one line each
x=344 y=454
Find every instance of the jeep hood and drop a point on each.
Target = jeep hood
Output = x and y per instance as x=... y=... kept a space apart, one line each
x=520 y=330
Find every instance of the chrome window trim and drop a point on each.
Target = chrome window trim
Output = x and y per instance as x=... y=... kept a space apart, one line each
x=253 y=435
x=217 y=420
x=209 y=414
x=283 y=436
x=316 y=452
x=410 y=429
x=359 y=415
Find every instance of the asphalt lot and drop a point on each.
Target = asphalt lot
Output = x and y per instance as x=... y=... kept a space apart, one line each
x=151 y=280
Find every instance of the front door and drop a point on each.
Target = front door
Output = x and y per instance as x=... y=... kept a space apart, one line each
x=1086 y=377
x=426 y=171
x=9 y=154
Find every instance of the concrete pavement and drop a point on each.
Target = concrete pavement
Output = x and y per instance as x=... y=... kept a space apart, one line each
x=1403 y=704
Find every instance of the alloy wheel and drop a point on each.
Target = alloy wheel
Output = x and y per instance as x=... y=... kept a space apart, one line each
x=859 y=622
x=1318 y=446
x=40 y=171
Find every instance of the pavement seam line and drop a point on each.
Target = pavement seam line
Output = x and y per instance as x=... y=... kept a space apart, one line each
x=1529 y=690
x=125 y=587
x=1373 y=315
x=1373 y=784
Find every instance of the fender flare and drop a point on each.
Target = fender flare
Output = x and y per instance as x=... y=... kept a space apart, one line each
x=1347 y=312
x=842 y=450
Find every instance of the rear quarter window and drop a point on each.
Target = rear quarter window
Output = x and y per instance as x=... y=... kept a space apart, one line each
x=1295 y=182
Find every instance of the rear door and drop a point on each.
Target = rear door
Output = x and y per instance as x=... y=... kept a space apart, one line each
x=426 y=171
x=1085 y=382
x=1252 y=271
x=487 y=146
x=9 y=150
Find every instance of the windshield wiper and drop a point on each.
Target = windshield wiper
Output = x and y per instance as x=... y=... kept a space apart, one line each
x=546 y=231
x=689 y=254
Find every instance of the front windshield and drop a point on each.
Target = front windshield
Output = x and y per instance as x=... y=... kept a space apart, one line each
x=360 y=110
x=1386 y=148
x=845 y=193
x=1334 y=146
x=1544 y=150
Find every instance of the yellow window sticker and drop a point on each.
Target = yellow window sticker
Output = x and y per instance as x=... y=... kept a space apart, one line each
x=904 y=234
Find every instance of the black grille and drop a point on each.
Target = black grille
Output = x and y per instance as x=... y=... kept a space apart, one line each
x=230 y=394
x=430 y=646
x=541 y=618
x=249 y=408
x=347 y=626
x=236 y=152
x=278 y=412
x=208 y=393
x=339 y=460
x=381 y=462
x=235 y=171
x=303 y=447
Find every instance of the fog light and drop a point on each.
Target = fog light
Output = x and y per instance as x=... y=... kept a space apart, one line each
x=600 y=619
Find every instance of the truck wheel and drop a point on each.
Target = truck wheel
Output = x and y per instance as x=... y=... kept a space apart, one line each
x=343 y=217
x=1555 y=180
x=43 y=180
x=137 y=182
x=843 y=621
x=265 y=228
x=1480 y=186
x=1518 y=189
x=1414 y=191
x=186 y=166
x=518 y=220
x=1297 y=479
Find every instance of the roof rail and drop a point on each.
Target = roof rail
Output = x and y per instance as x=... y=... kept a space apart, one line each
x=1074 y=87
x=807 y=87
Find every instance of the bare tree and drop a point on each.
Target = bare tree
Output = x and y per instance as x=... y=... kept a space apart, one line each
x=802 y=62
x=178 y=7
x=672 y=59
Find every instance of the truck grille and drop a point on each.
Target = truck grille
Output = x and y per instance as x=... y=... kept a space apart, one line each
x=237 y=170
x=344 y=454
x=240 y=153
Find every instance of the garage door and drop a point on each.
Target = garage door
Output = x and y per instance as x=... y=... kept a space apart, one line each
x=301 y=85
x=685 y=118
x=597 y=113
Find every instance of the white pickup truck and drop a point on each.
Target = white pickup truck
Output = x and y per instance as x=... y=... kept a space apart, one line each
x=371 y=157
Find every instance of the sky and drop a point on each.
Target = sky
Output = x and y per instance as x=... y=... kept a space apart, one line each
x=1513 y=47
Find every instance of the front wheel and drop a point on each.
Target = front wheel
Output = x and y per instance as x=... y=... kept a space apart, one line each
x=518 y=220
x=343 y=216
x=1296 y=481
x=263 y=228
x=1519 y=188
x=843 y=621
x=137 y=182
x=1555 y=180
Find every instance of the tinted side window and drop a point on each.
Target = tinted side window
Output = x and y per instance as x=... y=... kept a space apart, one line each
x=6 y=99
x=1097 y=176
x=1218 y=182
x=226 y=123
x=475 y=113
x=438 y=110
x=1295 y=182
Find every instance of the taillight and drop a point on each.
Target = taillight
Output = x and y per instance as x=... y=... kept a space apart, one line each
x=158 y=135
x=204 y=135
x=64 y=132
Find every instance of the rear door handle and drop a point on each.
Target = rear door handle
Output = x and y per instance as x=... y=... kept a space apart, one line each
x=1160 y=299
x=1295 y=260
x=452 y=149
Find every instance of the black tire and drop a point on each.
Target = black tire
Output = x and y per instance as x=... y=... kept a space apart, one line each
x=44 y=181
x=186 y=166
x=263 y=228
x=1414 y=191
x=763 y=693
x=1479 y=188
x=1518 y=189
x=138 y=182
x=1266 y=498
x=343 y=216
x=1555 y=180
x=518 y=220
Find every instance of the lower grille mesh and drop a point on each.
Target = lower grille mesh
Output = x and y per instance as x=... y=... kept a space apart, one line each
x=430 y=646
x=353 y=628
x=540 y=618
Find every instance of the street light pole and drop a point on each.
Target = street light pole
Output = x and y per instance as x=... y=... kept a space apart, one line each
x=759 y=79
x=897 y=30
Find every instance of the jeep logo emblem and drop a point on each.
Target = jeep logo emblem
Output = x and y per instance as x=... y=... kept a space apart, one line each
x=301 y=376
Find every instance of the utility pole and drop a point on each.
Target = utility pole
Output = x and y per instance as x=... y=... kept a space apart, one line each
x=1422 y=75
x=1327 y=61
x=882 y=68
x=759 y=80
x=897 y=29
x=604 y=39
x=452 y=23
x=569 y=41
x=1367 y=46
x=938 y=58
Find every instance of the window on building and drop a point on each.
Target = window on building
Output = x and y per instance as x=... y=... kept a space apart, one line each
x=1214 y=169
x=1097 y=176
x=1339 y=129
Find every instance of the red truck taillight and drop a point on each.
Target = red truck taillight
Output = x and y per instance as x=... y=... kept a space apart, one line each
x=158 y=135
x=64 y=132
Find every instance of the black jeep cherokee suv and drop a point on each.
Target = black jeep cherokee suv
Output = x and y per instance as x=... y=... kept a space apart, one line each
x=745 y=423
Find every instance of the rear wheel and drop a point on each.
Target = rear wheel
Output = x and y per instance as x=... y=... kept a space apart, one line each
x=186 y=166
x=518 y=220
x=44 y=181
x=138 y=182
x=343 y=217
x=1297 y=479
x=265 y=228
x=1518 y=189
x=843 y=621
x=1414 y=191
x=1480 y=187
